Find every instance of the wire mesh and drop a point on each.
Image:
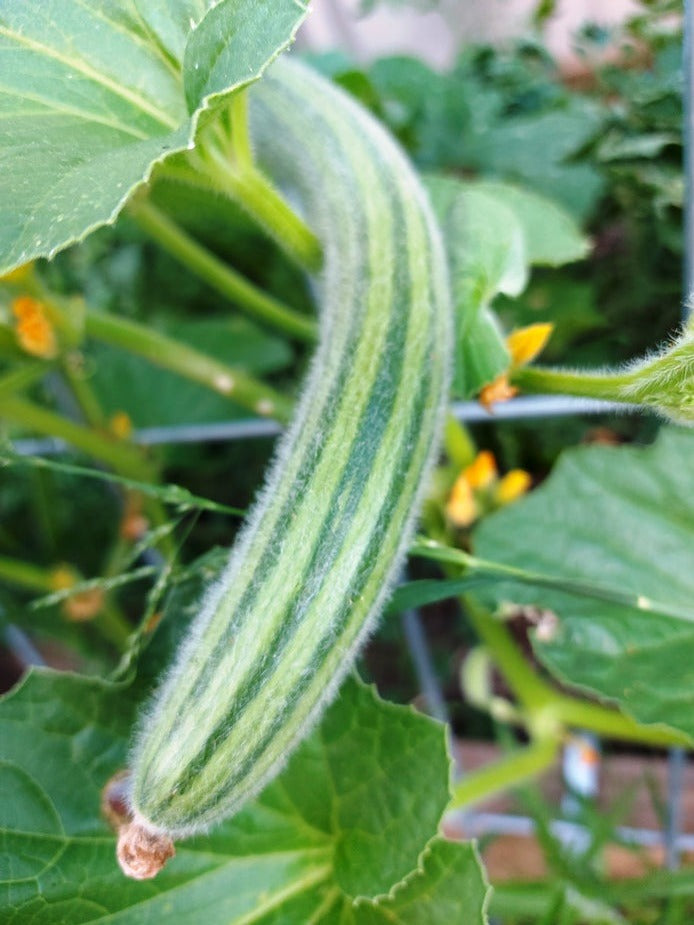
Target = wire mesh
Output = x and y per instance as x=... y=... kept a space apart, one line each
x=470 y=412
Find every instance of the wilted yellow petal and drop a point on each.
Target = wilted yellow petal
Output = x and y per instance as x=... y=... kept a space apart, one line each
x=590 y=755
x=461 y=508
x=62 y=577
x=514 y=484
x=154 y=621
x=525 y=344
x=84 y=605
x=81 y=606
x=499 y=390
x=33 y=327
x=134 y=524
x=482 y=472
x=133 y=527
x=121 y=425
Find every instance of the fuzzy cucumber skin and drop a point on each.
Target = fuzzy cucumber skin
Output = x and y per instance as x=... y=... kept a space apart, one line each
x=323 y=544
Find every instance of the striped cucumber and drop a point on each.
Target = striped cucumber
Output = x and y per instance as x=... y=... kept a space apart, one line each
x=322 y=546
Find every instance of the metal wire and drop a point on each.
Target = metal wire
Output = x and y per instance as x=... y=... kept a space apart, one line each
x=424 y=667
x=677 y=763
x=470 y=412
x=21 y=647
x=476 y=825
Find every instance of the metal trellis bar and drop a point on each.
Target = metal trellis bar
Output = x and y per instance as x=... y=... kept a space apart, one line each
x=470 y=412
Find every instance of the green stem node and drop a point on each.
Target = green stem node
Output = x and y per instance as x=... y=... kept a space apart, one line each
x=170 y=354
x=258 y=197
x=120 y=456
x=664 y=382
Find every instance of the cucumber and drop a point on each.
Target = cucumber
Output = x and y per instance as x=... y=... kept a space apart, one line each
x=323 y=544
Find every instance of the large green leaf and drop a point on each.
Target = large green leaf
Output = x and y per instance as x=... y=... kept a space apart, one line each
x=95 y=92
x=552 y=236
x=537 y=150
x=352 y=815
x=622 y=517
x=486 y=255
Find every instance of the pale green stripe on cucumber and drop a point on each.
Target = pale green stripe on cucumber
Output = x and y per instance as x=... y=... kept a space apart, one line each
x=317 y=559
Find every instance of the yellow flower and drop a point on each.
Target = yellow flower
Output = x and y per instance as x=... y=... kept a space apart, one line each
x=33 y=327
x=482 y=472
x=461 y=508
x=525 y=344
x=514 y=484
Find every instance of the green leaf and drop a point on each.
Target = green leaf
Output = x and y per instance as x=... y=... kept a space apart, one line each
x=95 y=93
x=552 y=236
x=484 y=241
x=537 y=150
x=486 y=256
x=447 y=890
x=428 y=111
x=350 y=816
x=614 y=147
x=478 y=571
x=233 y=44
x=483 y=355
x=620 y=517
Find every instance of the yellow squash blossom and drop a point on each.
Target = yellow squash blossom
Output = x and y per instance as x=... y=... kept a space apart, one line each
x=524 y=344
x=514 y=484
x=461 y=508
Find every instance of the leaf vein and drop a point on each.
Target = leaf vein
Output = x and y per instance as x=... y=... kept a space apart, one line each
x=91 y=73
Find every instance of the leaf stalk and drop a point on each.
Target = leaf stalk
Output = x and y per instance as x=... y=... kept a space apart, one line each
x=219 y=275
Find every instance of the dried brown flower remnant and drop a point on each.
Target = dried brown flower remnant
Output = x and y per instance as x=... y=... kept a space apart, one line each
x=498 y=390
x=84 y=605
x=134 y=524
x=142 y=853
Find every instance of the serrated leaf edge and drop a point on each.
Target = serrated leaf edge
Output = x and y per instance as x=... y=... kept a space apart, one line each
x=420 y=871
x=193 y=120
